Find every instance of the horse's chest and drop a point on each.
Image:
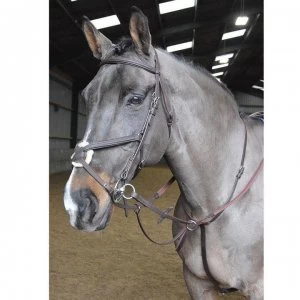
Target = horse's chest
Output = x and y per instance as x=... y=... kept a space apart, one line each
x=218 y=258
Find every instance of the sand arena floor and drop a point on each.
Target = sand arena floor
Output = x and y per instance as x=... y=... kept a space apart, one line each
x=119 y=262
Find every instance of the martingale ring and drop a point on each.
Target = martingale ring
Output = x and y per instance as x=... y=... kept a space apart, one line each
x=192 y=225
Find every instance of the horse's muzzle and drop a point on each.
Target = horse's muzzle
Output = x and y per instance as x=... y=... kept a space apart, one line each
x=87 y=204
x=90 y=214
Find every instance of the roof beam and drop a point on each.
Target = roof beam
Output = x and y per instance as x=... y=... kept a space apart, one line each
x=223 y=51
x=248 y=35
x=74 y=21
x=194 y=30
x=163 y=38
x=120 y=17
x=195 y=25
x=230 y=16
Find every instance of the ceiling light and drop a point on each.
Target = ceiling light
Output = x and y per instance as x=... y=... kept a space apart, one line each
x=222 y=57
x=106 y=22
x=218 y=74
x=233 y=34
x=178 y=47
x=240 y=21
x=257 y=87
x=170 y=6
x=224 y=60
x=219 y=66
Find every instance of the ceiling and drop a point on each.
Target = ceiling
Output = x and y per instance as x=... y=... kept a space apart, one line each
x=203 y=24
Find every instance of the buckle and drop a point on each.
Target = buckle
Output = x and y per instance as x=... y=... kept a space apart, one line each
x=79 y=154
x=170 y=120
x=124 y=175
x=240 y=172
x=141 y=164
x=155 y=99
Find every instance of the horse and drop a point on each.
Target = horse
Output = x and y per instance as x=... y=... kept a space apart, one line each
x=196 y=127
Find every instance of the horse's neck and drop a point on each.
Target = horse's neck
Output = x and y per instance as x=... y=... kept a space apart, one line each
x=206 y=143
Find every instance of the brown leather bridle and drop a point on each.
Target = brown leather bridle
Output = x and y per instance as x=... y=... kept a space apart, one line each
x=119 y=193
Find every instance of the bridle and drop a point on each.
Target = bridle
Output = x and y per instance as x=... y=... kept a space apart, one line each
x=119 y=192
x=80 y=160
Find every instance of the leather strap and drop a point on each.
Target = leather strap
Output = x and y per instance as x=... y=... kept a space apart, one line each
x=191 y=224
x=178 y=235
x=113 y=142
x=94 y=174
x=159 y=85
x=222 y=290
x=151 y=113
x=125 y=61
x=146 y=203
x=220 y=209
x=164 y=188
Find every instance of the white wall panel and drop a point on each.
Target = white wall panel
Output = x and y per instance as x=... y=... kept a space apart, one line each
x=248 y=103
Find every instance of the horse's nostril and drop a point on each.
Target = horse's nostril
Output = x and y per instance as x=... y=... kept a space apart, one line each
x=83 y=204
x=85 y=200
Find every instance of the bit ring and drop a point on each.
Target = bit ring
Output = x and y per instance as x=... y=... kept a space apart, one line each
x=132 y=192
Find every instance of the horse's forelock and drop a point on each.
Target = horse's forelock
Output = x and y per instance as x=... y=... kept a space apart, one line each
x=123 y=44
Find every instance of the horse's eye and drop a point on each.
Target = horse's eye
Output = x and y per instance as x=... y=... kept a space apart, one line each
x=135 y=100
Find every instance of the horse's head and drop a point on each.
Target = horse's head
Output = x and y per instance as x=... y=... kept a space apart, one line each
x=118 y=101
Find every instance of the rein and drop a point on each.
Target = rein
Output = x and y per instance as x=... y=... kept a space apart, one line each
x=119 y=193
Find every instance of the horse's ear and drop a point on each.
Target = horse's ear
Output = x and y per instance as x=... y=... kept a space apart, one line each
x=139 y=30
x=99 y=44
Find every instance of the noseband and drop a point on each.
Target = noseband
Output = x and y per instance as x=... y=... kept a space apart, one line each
x=84 y=152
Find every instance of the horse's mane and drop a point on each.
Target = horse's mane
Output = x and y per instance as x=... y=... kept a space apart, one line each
x=208 y=74
x=126 y=43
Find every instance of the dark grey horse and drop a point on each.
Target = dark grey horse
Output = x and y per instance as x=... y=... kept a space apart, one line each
x=203 y=152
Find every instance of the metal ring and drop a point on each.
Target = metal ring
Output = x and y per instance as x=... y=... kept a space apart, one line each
x=133 y=191
x=194 y=227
